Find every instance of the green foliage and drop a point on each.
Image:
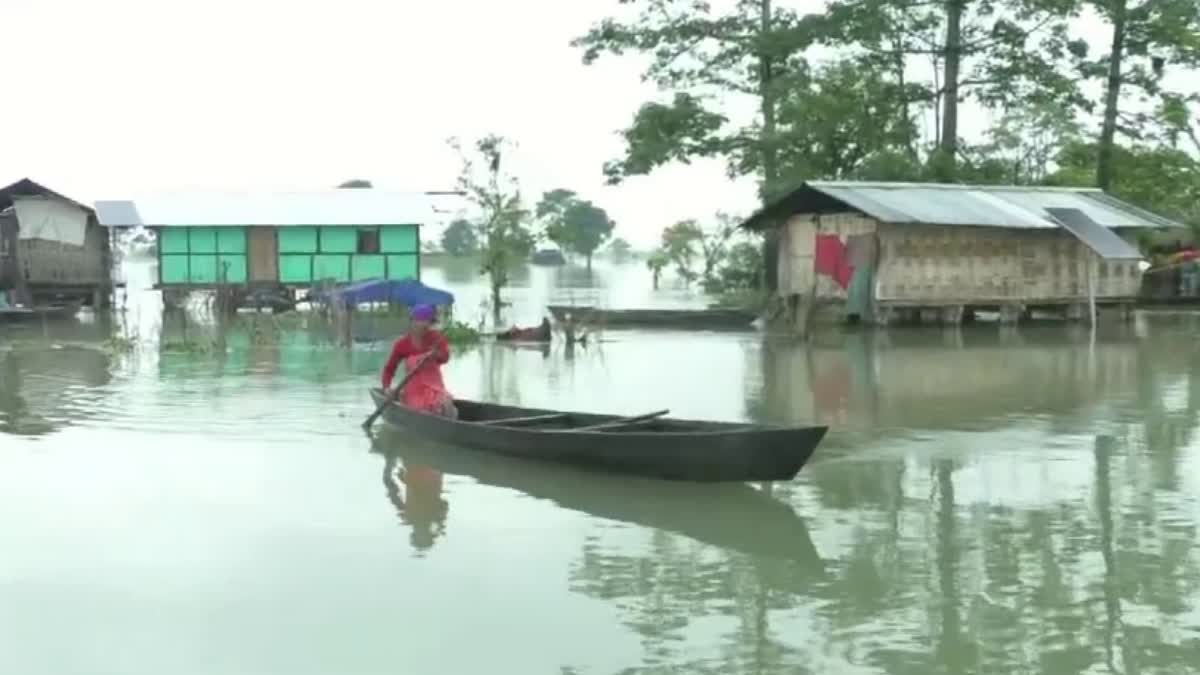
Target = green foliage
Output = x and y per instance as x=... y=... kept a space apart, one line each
x=740 y=270
x=620 y=249
x=575 y=224
x=502 y=219
x=460 y=238
x=702 y=53
x=836 y=120
x=1163 y=180
x=356 y=183
x=460 y=334
x=656 y=262
x=898 y=65
x=679 y=242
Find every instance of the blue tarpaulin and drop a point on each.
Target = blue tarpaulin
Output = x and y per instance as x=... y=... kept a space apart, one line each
x=407 y=292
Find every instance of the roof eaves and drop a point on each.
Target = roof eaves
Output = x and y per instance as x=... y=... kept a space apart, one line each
x=1157 y=220
x=25 y=186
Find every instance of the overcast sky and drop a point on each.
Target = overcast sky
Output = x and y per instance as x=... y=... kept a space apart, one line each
x=106 y=100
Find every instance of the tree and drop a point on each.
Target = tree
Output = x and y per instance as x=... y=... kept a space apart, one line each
x=714 y=243
x=356 y=183
x=619 y=249
x=460 y=238
x=576 y=225
x=746 y=50
x=995 y=53
x=1021 y=148
x=501 y=228
x=700 y=54
x=679 y=245
x=1160 y=179
x=839 y=119
x=1144 y=38
x=741 y=269
x=656 y=262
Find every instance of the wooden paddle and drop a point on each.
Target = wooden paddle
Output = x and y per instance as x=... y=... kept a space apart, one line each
x=391 y=396
x=622 y=422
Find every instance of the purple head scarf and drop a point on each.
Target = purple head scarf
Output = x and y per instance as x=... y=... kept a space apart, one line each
x=422 y=313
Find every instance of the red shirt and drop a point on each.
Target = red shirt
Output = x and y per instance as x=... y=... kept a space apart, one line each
x=405 y=347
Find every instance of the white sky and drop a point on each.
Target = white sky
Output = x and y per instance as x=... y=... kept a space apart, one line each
x=105 y=100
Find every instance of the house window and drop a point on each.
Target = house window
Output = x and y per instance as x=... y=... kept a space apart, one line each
x=368 y=241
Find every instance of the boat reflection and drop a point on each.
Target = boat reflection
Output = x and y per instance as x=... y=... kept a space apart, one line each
x=732 y=516
x=416 y=492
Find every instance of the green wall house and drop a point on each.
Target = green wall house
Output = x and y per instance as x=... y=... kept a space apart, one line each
x=289 y=239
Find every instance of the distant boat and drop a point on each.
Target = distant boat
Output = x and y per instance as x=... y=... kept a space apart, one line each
x=548 y=256
x=688 y=319
x=11 y=313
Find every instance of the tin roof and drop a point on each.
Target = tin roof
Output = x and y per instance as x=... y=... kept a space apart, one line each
x=953 y=204
x=1095 y=236
x=28 y=188
x=280 y=209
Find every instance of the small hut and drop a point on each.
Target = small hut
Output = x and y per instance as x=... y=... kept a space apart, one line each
x=876 y=252
x=52 y=249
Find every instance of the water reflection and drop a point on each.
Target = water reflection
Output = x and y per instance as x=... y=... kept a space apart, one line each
x=46 y=387
x=416 y=492
x=713 y=548
x=988 y=502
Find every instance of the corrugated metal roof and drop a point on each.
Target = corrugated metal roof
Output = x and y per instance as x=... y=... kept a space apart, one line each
x=281 y=209
x=952 y=204
x=996 y=206
x=1100 y=239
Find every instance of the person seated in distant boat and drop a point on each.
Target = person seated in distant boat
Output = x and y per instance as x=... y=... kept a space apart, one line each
x=423 y=350
x=540 y=333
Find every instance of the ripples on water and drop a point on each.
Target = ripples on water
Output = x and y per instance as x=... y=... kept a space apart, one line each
x=988 y=501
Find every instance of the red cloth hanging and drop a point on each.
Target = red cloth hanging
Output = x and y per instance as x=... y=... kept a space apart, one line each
x=830 y=259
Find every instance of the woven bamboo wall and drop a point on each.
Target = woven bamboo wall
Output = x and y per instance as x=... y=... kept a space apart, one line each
x=948 y=264
x=796 y=250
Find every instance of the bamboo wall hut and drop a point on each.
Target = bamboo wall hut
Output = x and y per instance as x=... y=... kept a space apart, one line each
x=881 y=251
x=52 y=248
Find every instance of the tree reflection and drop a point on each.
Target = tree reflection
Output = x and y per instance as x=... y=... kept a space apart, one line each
x=1015 y=578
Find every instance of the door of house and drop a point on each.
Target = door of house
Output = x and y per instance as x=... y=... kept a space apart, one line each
x=264 y=254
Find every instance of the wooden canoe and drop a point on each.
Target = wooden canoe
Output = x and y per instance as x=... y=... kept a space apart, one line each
x=654 y=447
x=717 y=515
x=52 y=312
x=684 y=319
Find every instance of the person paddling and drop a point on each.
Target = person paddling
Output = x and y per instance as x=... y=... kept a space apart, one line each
x=423 y=349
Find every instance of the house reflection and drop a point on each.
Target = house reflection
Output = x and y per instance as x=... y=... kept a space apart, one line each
x=46 y=388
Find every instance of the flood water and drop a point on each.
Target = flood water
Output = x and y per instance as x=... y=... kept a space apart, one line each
x=988 y=501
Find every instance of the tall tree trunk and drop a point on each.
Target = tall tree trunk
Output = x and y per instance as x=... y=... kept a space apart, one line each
x=1112 y=98
x=948 y=143
x=770 y=160
x=900 y=63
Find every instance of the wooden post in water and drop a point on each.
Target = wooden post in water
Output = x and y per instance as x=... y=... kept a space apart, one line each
x=1091 y=275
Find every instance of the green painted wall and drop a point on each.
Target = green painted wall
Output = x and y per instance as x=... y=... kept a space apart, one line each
x=214 y=255
x=295 y=269
x=311 y=254
x=202 y=255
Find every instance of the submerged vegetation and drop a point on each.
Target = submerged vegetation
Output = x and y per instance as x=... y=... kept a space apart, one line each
x=459 y=334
